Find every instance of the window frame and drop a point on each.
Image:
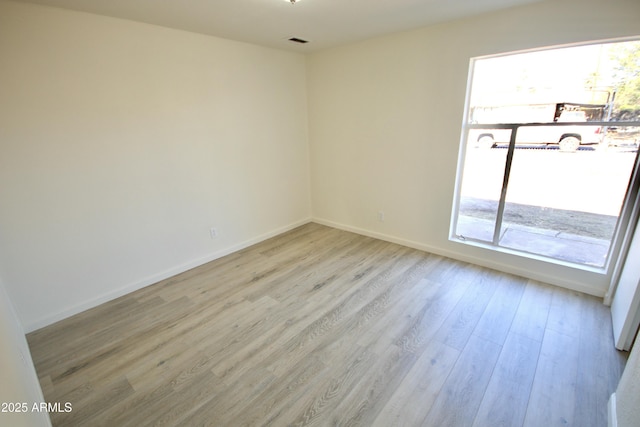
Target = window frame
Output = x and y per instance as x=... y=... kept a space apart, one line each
x=630 y=204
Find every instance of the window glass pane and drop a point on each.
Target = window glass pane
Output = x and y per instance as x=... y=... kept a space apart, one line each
x=481 y=187
x=524 y=87
x=565 y=205
x=577 y=132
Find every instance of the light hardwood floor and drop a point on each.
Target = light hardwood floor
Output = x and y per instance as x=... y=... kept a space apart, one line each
x=323 y=327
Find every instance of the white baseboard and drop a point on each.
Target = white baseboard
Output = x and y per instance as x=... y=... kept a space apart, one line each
x=155 y=278
x=612 y=419
x=116 y=293
x=483 y=262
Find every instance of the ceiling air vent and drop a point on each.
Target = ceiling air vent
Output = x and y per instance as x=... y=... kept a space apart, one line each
x=297 y=40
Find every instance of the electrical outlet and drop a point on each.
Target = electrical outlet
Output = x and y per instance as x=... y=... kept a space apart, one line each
x=213 y=232
x=381 y=216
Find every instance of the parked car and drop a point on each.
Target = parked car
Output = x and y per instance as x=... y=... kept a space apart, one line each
x=567 y=137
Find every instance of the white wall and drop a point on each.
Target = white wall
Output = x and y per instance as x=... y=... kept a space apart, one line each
x=18 y=379
x=122 y=143
x=385 y=118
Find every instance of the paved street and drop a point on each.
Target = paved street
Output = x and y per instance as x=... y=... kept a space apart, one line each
x=586 y=181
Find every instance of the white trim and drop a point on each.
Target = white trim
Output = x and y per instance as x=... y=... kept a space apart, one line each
x=484 y=262
x=150 y=280
x=624 y=234
x=612 y=419
x=560 y=46
x=116 y=293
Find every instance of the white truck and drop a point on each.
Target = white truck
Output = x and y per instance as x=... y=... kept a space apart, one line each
x=533 y=131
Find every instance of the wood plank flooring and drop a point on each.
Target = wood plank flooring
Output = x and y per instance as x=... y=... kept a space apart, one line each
x=324 y=327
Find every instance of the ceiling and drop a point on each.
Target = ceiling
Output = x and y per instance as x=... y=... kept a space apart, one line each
x=324 y=23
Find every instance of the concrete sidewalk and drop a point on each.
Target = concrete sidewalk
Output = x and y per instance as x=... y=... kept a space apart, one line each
x=559 y=245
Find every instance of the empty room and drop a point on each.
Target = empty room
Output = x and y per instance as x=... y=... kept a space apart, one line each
x=312 y=212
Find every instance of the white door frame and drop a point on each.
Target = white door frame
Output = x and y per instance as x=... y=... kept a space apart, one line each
x=624 y=291
x=625 y=308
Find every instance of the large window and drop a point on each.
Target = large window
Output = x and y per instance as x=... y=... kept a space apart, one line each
x=549 y=148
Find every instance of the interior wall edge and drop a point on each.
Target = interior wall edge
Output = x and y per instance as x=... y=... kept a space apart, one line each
x=483 y=262
x=150 y=280
x=17 y=372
